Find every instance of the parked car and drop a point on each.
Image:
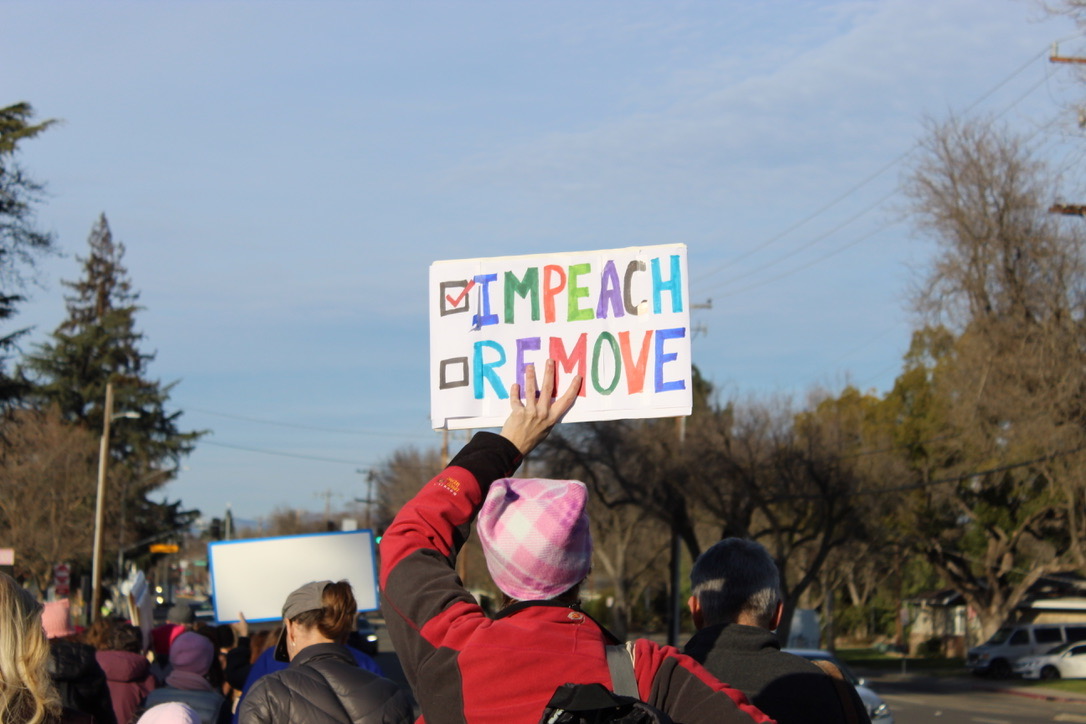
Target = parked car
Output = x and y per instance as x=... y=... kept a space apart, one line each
x=1066 y=661
x=998 y=655
x=876 y=707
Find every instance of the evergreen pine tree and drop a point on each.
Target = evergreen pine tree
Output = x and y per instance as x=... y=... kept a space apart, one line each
x=20 y=240
x=96 y=344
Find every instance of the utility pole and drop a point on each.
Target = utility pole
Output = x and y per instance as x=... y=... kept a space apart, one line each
x=99 y=503
x=1055 y=57
x=675 y=610
x=99 y=508
x=368 y=501
x=327 y=495
x=1068 y=209
x=696 y=329
x=675 y=599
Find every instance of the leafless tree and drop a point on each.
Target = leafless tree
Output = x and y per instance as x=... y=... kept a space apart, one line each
x=750 y=470
x=997 y=380
x=47 y=491
x=399 y=478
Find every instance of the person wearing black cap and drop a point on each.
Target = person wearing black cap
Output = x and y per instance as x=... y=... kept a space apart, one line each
x=323 y=682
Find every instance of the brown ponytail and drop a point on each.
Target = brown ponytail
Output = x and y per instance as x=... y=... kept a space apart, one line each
x=336 y=618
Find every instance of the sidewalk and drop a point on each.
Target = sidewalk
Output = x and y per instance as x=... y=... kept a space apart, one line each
x=1036 y=692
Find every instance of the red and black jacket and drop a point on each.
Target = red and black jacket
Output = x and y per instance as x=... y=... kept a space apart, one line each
x=467 y=667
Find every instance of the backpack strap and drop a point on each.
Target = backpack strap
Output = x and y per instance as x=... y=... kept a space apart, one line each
x=620 y=662
x=848 y=704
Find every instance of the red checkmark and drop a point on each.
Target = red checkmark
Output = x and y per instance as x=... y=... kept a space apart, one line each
x=455 y=301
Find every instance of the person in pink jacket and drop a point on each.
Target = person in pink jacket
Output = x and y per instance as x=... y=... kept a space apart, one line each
x=467 y=667
x=128 y=672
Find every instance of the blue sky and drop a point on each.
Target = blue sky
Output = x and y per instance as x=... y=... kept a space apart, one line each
x=284 y=173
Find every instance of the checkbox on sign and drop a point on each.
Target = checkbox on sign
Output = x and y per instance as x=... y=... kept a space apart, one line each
x=454 y=296
x=453 y=373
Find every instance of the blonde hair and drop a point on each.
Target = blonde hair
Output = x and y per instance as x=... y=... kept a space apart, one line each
x=27 y=693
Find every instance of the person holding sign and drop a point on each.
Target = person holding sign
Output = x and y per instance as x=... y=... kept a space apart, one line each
x=467 y=667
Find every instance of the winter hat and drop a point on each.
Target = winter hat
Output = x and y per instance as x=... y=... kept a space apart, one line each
x=535 y=536
x=309 y=597
x=192 y=653
x=162 y=637
x=56 y=619
x=180 y=613
x=172 y=712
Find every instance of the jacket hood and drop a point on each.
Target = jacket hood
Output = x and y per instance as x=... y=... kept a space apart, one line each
x=123 y=665
x=69 y=660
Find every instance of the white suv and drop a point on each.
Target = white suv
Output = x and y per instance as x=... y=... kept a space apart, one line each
x=998 y=655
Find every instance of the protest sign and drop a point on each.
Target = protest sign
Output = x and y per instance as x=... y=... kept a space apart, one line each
x=137 y=596
x=255 y=576
x=619 y=318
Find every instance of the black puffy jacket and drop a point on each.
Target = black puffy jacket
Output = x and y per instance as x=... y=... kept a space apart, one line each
x=80 y=680
x=324 y=685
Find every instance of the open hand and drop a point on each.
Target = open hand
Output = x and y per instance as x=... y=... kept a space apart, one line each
x=531 y=419
x=241 y=626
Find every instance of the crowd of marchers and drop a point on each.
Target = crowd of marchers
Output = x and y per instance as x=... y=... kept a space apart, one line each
x=540 y=658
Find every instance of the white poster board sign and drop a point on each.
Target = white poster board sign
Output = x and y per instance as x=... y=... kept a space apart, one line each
x=620 y=318
x=137 y=594
x=255 y=576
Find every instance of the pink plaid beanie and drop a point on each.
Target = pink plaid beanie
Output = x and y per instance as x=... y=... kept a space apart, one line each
x=535 y=536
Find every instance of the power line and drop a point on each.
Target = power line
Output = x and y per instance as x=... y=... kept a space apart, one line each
x=280 y=453
x=865 y=181
x=808 y=265
x=942 y=481
x=299 y=426
x=810 y=217
x=875 y=205
x=302 y=456
x=976 y=473
x=871 y=207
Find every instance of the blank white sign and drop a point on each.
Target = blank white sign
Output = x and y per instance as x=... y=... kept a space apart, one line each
x=255 y=576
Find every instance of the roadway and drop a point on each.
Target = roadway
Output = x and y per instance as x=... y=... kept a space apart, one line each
x=968 y=700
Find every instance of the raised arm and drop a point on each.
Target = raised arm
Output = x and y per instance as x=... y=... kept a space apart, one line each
x=424 y=601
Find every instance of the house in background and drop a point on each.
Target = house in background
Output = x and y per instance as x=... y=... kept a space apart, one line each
x=940 y=622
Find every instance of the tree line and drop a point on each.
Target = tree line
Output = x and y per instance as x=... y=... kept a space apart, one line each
x=52 y=396
x=969 y=473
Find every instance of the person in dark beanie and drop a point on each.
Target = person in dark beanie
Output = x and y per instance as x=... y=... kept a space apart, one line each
x=736 y=605
x=467 y=667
